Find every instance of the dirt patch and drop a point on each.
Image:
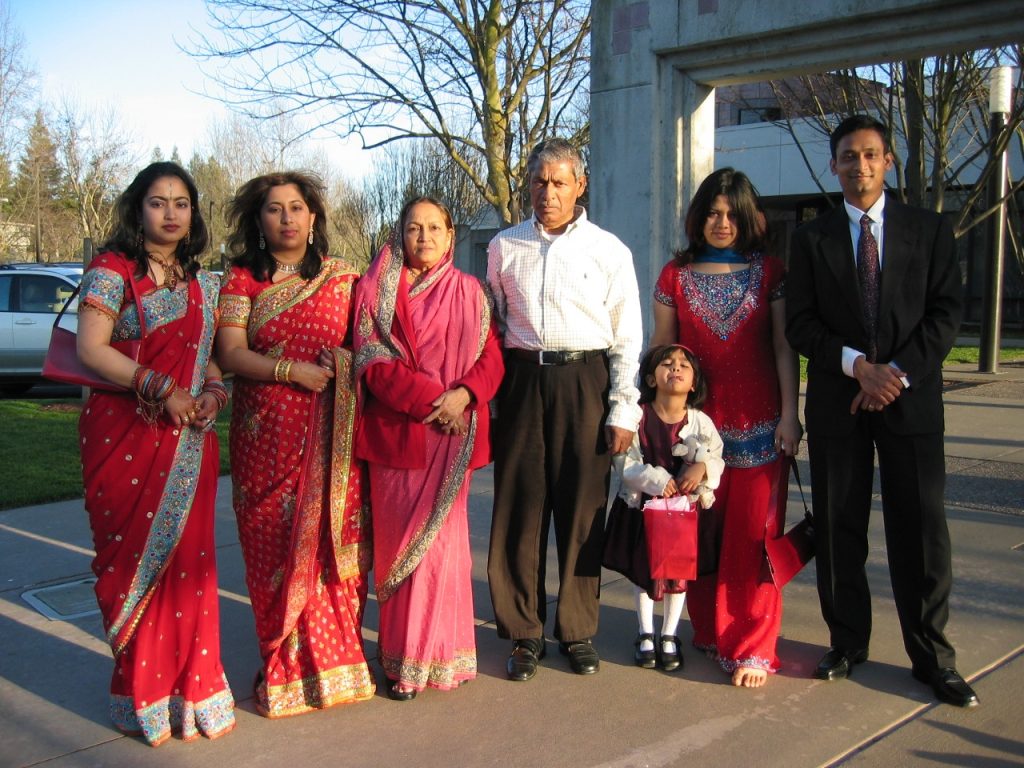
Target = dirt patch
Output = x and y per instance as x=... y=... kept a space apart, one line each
x=62 y=407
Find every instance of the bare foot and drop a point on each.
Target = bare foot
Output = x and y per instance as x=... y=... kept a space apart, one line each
x=749 y=677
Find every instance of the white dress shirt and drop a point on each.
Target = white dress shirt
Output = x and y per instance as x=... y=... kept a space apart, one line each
x=571 y=292
x=877 y=215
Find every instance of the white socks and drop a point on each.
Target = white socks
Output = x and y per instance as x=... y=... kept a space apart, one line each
x=673 y=609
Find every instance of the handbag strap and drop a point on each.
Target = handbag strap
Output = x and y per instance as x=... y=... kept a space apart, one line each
x=796 y=474
x=135 y=293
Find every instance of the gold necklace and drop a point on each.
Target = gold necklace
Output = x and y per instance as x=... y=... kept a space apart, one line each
x=288 y=269
x=170 y=270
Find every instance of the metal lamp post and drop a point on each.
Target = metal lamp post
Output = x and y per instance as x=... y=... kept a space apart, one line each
x=999 y=105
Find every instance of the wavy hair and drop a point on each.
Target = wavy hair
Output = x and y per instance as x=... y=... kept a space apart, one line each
x=243 y=214
x=126 y=234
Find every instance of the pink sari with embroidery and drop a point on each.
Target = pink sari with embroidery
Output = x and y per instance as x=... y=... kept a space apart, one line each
x=150 y=493
x=298 y=495
x=422 y=564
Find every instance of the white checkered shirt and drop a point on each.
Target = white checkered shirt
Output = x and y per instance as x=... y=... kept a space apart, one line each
x=574 y=291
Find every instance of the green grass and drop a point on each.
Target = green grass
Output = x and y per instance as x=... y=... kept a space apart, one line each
x=39 y=460
x=956 y=356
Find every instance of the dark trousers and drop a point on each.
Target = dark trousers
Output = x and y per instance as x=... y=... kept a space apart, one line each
x=551 y=461
x=912 y=472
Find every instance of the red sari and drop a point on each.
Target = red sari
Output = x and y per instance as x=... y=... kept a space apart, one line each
x=298 y=495
x=412 y=344
x=726 y=320
x=150 y=492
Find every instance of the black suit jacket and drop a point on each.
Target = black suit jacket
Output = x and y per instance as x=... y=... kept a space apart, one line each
x=919 y=314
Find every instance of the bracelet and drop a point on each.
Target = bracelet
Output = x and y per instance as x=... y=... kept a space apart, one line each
x=152 y=390
x=283 y=371
x=216 y=389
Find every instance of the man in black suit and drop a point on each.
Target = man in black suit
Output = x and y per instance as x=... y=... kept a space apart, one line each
x=873 y=301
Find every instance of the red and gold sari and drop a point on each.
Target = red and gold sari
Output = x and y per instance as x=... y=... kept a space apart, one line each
x=150 y=492
x=298 y=495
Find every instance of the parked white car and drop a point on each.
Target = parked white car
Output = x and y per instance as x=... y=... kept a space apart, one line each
x=31 y=295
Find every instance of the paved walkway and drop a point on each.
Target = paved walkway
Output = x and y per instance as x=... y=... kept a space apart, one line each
x=54 y=673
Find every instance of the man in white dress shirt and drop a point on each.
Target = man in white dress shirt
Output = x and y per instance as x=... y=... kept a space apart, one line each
x=567 y=296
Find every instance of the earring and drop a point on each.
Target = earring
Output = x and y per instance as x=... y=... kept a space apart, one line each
x=139 y=240
x=310 y=235
x=263 y=243
x=188 y=237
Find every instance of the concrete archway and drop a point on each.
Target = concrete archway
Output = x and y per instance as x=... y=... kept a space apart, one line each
x=656 y=64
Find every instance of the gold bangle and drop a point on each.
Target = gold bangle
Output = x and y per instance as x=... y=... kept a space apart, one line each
x=277 y=370
x=287 y=373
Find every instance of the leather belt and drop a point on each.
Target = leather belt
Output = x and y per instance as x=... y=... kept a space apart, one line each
x=555 y=357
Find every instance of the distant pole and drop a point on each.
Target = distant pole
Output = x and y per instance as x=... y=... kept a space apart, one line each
x=999 y=104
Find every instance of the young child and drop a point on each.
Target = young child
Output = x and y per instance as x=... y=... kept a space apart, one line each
x=676 y=450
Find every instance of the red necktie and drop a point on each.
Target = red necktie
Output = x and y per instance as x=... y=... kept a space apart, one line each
x=870 y=279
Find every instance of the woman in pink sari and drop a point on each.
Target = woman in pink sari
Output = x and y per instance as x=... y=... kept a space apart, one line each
x=428 y=361
x=150 y=461
x=298 y=493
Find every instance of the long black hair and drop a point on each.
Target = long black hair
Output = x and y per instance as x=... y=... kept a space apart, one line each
x=127 y=236
x=751 y=225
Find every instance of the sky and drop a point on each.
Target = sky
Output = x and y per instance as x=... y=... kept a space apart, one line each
x=124 y=54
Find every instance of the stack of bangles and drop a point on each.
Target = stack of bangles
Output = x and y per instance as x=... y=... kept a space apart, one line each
x=216 y=389
x=283 y=371
x=152 y=390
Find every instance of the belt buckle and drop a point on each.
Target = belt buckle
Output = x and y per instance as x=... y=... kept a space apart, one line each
x=540 y=358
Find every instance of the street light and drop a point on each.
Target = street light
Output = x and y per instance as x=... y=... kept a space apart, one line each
x=1000 y=97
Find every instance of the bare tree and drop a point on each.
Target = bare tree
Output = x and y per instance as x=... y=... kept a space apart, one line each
x=938 y=110
x=389 y=70
x=17 y=86
x=96 y=156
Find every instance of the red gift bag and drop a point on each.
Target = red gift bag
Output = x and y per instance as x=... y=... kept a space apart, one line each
x=671 y=528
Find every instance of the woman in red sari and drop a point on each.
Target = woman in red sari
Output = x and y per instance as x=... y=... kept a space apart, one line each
x=428 y=362
x=298 y=492
x=150 y=461
x=725 y=299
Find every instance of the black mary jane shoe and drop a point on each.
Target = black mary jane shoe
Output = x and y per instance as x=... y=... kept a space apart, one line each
x=645 y=659
x=669 y=662
x=397 y=695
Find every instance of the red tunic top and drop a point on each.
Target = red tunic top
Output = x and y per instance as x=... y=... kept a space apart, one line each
x=726 y=320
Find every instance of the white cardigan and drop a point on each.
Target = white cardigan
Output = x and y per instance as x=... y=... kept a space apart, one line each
x=638 y=478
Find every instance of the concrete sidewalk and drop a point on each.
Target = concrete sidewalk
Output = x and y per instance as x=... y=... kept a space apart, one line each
x=54 y=674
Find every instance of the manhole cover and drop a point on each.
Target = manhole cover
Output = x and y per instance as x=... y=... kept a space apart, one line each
x=59 y=602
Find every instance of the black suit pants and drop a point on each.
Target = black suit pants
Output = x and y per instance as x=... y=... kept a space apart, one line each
x=551 y=462
x=912 y=474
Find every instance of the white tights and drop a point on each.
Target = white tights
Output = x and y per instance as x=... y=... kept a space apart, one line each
x=673 y=611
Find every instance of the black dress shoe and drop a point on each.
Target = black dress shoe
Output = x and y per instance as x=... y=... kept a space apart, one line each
x=670 y=661
x=838 y=664
x=582 y=655
x=526 y=653
x=397 y=695
x=949 y=687
x=645 y=659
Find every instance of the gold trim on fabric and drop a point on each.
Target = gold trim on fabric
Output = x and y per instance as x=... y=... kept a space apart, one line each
x=280 y=297
x=350 y=559
x=340 y=685
x=415 y=550
x=423 y=672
